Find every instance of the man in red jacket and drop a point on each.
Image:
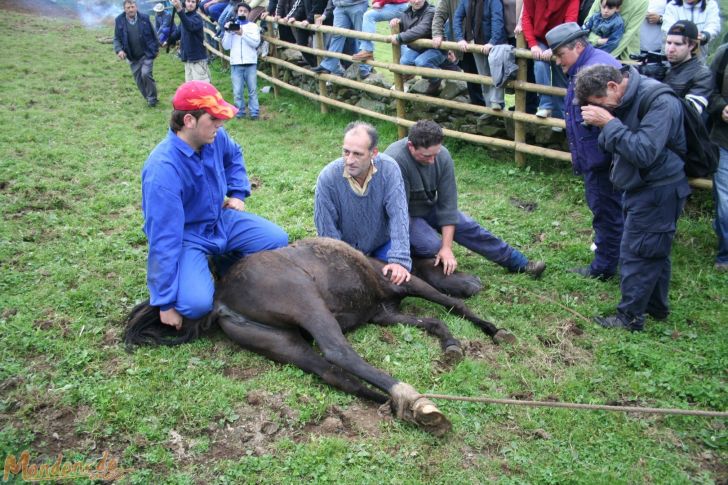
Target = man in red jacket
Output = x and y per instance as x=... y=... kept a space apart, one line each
x=540 y=16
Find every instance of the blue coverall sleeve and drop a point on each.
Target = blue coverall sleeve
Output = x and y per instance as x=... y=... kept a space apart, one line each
x=164 y=225
x=236 y=176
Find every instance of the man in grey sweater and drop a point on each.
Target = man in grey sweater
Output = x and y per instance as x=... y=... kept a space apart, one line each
x=360 y=200
x=428 y=171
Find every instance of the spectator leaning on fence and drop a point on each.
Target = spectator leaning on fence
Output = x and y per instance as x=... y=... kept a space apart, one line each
x=428 y=171
x=573 y=53
x=606 y=27
x=442 y=30
x=718 y=109
x=687 y=75
x=705 y=14
x=194 y=187
x=136 y=42
x=481 y=22
x=538 y=17
x=348 y=14
x=651 y=28
x=192 y=41
x=290 y=10
x=381 y=11
x=416 y=23
x=241 y=39
x=360 y=200
x=646 y=165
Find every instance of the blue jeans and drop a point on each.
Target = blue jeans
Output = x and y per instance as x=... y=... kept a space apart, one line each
x=350 y=17
x=549 y=74
x=720 y=191
x=431 y=58
x=246 y=234
x=374 y=15
x=425 y=241
x=245 y=75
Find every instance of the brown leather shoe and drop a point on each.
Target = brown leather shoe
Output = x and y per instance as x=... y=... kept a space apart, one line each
x=363 y=56
x=433 y=88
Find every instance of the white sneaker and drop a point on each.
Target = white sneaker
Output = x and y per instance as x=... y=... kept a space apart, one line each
x=543 y=113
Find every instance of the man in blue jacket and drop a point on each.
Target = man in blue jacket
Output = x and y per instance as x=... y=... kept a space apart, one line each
x=136 y=42
x=573 y=52
x=194 y=185
x=645 y=142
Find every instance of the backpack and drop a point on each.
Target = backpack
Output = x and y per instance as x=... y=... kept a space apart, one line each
x=702 y=155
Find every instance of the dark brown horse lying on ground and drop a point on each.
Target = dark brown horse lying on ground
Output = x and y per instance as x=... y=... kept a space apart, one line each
x=271 y=302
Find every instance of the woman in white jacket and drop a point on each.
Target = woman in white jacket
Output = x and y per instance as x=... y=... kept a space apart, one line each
x=242 y=38
x=703 y=13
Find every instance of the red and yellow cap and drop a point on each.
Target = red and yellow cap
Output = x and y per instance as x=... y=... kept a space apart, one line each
x=194 y=95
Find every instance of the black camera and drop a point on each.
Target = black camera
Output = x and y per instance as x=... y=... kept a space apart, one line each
x=651 y=64
x=233 y=27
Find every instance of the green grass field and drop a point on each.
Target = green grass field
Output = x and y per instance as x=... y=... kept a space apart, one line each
x=73 y=138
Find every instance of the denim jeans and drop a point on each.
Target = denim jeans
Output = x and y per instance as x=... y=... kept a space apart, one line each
x=374 y=15
x=549 y=74
x=425 y=241
x=349 y=17
x=720 y=191
x=431 y=58
x=245 y=75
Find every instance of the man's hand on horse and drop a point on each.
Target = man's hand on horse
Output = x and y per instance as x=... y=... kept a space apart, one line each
x=171 y=317
x=234 y=203
x=447 y=258
x=399 y=273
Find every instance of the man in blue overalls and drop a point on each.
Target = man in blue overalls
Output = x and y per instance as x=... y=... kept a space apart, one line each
x=646 y=165
x=194 y=185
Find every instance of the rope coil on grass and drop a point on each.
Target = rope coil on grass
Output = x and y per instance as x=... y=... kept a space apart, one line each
x=593 y=407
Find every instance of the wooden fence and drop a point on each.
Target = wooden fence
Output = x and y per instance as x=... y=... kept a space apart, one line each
x=520 y=86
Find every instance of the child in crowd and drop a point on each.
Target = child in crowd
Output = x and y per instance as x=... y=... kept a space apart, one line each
x=242 y=38
x=606 y=27
x=191 y=36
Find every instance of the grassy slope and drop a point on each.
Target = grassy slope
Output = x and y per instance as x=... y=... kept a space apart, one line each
x=72 y=262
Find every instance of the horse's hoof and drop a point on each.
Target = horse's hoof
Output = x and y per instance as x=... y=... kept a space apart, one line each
x=453 y=354
x=504 y=337
x=426 y=415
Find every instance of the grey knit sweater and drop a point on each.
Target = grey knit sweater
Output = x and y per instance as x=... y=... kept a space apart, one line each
x=365 y=222
x=428 y=187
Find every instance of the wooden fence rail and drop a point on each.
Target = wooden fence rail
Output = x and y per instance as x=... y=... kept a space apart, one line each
x=519 y=117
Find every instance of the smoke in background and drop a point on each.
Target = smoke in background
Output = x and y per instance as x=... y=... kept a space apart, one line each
x=95 y=13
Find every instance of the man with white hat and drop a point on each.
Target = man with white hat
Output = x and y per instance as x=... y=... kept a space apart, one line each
x=194 y=185
x=572 y=50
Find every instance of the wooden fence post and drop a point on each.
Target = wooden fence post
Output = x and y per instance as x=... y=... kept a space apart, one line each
x=320 y=44
x=398 y=83
x=520 y=126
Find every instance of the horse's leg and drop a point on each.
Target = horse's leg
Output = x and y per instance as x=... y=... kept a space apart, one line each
x=433 y=326
x=289 y=347
x=419 y=288
x=407 y=402
x=458 y=284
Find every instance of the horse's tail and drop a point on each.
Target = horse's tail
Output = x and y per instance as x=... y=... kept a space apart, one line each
x=143 y=327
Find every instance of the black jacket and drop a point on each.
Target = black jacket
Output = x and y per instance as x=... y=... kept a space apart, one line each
x=416 y=24
x=192 y=36
x=691 y=80
x=147 y=34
